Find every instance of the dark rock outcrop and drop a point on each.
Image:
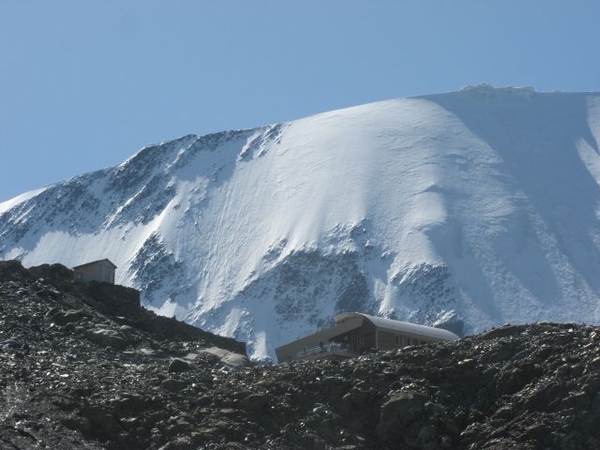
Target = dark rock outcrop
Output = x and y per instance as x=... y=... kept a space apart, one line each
x=75 y=376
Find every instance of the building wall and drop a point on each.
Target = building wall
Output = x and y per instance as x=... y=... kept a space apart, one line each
x=101 y=271
x=289 y=351
x=354 y=334
x=388 y=340
x=368 y=338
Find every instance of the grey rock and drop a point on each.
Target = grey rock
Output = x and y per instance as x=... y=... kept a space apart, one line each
x=70 y=316
x=174 y=385
x=108 y=338
x=400 y=411
x=255 y=402
x=179 y=365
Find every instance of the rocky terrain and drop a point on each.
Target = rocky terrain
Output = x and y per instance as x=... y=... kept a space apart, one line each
x=84 y=367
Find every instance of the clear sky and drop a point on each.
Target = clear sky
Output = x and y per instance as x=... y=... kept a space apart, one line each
x=86 y=84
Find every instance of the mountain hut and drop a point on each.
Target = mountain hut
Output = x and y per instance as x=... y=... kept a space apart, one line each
x=102 y=270
x=354 y=333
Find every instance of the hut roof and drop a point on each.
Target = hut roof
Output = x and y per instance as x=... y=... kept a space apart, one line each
x=397 y=325
x=95 y=262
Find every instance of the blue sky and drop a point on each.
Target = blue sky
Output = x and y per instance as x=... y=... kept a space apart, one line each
x=85 y=85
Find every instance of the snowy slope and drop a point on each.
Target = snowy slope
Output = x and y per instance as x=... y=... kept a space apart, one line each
x=470 y=208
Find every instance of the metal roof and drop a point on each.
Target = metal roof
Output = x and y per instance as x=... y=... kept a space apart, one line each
x=396 y=325
x=96 y=262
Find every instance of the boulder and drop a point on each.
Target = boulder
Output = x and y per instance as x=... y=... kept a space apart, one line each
x=179 y=365
x=108 y=338
x=401 y=410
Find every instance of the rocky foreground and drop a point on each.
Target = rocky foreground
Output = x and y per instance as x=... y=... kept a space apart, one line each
x=84 y=367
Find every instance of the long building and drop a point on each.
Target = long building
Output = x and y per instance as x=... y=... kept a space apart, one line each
x=354 y=333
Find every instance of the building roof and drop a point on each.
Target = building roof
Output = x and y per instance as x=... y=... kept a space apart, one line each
x=95 y=262
x=397 y=325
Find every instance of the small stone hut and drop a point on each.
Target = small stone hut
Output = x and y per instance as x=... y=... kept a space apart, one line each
x=102 y=270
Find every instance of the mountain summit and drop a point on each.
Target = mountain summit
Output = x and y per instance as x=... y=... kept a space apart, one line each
x=463 y=210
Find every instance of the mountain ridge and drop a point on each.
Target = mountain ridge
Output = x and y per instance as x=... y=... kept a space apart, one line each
x=466 y=209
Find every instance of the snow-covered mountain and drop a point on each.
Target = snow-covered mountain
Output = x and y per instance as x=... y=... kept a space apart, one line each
x=467 y=209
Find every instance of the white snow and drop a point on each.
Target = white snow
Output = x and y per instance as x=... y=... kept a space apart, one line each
x=500 y=187
x=10 y=204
